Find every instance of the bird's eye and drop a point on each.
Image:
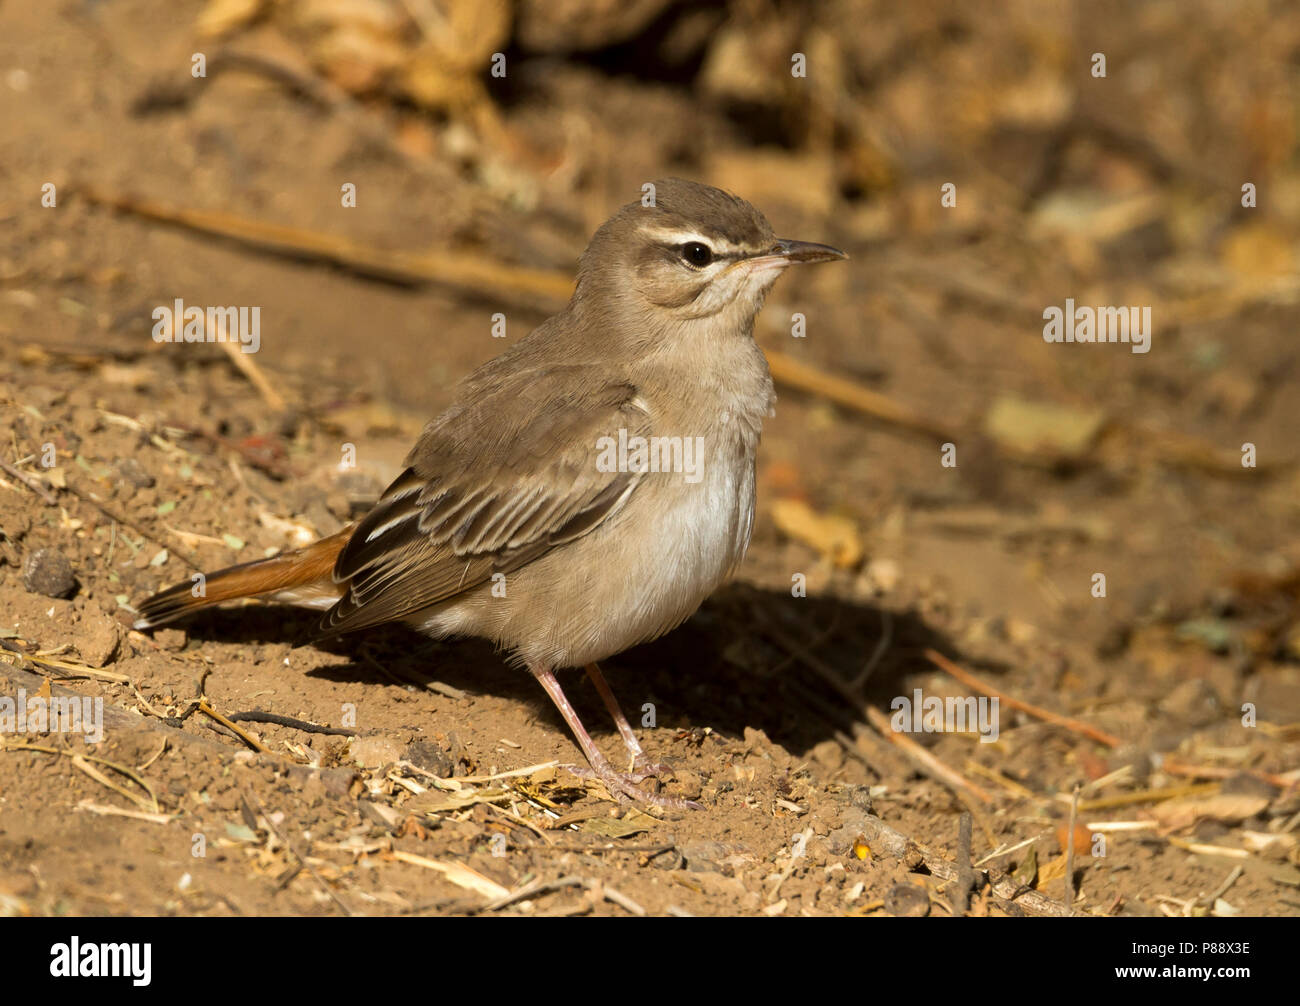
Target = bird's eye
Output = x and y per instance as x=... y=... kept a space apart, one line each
x=697 y=254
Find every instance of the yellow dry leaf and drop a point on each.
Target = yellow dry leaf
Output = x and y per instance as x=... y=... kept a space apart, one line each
x=1258 y=249
x=1043 y=429
x=220 y=17
x=1054 y=870
x=833 y=537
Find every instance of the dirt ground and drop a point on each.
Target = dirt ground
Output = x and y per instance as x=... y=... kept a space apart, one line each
x=141 y=462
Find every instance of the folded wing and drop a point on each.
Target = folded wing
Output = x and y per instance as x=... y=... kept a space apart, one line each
x=493 y=483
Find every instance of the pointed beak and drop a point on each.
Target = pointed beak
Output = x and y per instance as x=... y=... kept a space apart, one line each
x=786 y=253
x=806 y=251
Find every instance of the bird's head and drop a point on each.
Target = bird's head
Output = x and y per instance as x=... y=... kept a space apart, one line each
x=688 y=253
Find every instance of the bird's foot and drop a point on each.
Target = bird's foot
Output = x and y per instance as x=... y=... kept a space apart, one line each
x=623 y=785
x=643 y=768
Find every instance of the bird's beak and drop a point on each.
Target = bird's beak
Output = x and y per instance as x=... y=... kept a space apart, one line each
x=786 y=253
x=806 y=251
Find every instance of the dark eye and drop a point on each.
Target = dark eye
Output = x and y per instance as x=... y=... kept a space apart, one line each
x=697 y=254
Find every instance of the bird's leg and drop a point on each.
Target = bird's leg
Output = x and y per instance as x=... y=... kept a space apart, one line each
x=620 y=784
x=641 y=763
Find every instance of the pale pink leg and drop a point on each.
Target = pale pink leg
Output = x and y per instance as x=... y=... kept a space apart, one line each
x=621 y=784
x=641 y=764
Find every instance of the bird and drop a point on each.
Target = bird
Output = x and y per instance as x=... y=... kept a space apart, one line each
x=588 y=488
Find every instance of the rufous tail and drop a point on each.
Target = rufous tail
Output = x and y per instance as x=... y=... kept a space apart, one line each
x=302 y=576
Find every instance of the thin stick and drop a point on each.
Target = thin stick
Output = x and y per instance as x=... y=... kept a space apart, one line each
x=234 y=728
x=1006 y=850
x=1009 y=784
x=80 y=763
x=1210 y=850
x=919 y=756
x=968 y=878
x=457 y=873
x=1038 y=712
x=530 y=890
x=244 y=364
x=1146 y=796
x=1175 y=767
x=257 y=716
x=795 y=373
x=69 y=670
x=106 y=810
x=1172 y=766
x=526 y=770
x=927 y=762
x=1069 y=855
x=459 y=268
x=516 y=819
x=1222 y=889
x=134 y=776
x=31 y=482
x=882 y=647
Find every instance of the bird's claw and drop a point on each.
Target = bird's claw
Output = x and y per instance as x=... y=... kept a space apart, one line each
x=623 y=785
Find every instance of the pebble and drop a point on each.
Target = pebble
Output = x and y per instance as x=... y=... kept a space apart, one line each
x=96 y=637
x=131 y=470
x=47 y=571
x=430 y=756
x=908 y=901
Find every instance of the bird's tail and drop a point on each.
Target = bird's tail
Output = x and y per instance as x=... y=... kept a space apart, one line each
x=302 y=576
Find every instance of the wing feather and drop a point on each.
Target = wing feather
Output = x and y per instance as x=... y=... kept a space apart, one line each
x=493 y=483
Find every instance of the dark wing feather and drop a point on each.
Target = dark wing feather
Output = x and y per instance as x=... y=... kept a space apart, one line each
x=493 y=483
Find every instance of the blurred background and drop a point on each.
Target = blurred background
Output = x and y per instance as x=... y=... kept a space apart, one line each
x=483 y=135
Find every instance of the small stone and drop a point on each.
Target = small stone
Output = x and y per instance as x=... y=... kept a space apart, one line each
x=430 y=757
x=47 y=571
x=704 y=856
x=907 y=900
x=96 y=638
x=375 y=752
x=131 y=470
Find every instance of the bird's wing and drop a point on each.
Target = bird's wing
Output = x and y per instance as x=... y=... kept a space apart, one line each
x=497 y=480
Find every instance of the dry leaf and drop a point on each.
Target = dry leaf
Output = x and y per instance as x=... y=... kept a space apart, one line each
x=220 y=17
x=458 y=874
x=633 y=823
x=439 y=802
x=1258 y=249
x=833 y=537
x=1054 y=870
x=1027 y=872
x=1227 y=807
x=1043 y=428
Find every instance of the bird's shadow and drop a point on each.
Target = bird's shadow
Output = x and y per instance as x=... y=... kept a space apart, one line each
x=750 y=657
